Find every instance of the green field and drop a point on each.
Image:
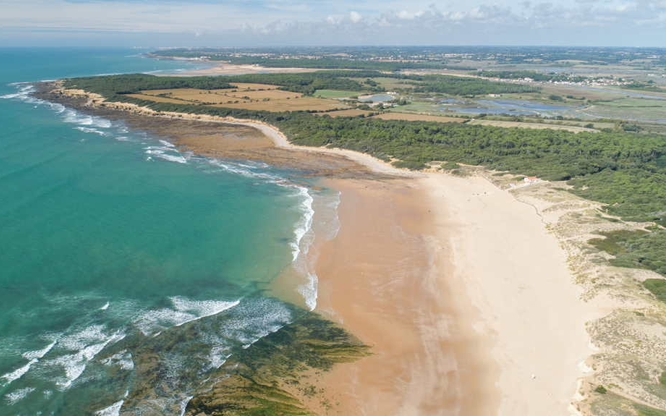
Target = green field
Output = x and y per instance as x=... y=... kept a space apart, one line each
x=639 y=109
x=336 y=94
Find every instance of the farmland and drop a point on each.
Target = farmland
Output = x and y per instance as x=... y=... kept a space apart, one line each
x=249 y=96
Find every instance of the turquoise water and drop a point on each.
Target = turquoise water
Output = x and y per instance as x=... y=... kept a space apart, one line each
x=114 y=244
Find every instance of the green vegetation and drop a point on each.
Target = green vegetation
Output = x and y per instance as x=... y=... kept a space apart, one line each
x=450 y=166
x=466 y=86
x=262 y=379
x=648 y=411
x=657 y=287
x=335 y=94
x=116 y=85
x=643 y=86
x=613 y=241
x=636 y=249
x=308 y=83
x=601 y=389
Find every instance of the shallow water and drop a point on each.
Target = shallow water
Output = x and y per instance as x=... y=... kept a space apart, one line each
x=506 y=106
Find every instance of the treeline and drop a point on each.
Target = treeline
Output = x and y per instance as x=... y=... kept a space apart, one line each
x=113 y=85
x=536 y=76
x=643 y=86
x=307 y=83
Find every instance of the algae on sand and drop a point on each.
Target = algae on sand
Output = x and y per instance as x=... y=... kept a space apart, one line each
x=254 y=380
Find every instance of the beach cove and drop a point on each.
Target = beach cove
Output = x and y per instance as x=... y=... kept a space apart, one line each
x=455 y=286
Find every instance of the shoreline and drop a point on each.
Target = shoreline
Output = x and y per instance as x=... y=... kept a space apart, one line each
x=383 y=279
x=460 y=330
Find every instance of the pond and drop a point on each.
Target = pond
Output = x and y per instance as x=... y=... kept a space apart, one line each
x=505 y=106
x=377 y=98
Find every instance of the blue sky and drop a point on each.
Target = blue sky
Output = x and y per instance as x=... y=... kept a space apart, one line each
x=329 y=22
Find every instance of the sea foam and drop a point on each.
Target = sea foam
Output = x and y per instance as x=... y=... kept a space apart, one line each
x=166 y=153
x=184 y=403
x=122 y=360
x=113 y=410
x=87 y=343
x=303 y=234
x=39 y=354
x=33 y=357
x=184 y=311
x=85 y=123
x=18 y=395
x=18 y=373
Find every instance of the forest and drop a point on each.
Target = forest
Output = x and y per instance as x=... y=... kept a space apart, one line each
x=306 y=83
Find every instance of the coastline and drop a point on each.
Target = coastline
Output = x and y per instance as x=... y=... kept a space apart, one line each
x=481 y=273
x=523 y=294
x=383 y=279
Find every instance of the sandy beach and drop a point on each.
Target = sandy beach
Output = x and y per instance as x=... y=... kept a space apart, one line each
x=523 y=296
x=461 y=292
x=493 y=322
x=381 y=279
x=223 y=68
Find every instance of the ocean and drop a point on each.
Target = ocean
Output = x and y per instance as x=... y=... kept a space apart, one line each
x=129 y=269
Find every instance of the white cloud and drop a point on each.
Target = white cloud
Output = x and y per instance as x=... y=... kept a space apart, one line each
x=339 y=21
x=355 y=17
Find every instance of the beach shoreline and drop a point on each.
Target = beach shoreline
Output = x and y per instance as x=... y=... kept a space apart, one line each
x=467 y=301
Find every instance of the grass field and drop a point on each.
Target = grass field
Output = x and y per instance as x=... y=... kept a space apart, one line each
x=335 y=94
x=247 y=86
x=158 y=99
x=390 y=84
x=297 y=104
x=246 y=96
x=427 y=107
x=639 y=109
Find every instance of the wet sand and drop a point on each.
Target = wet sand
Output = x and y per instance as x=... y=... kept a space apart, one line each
x=382 y=279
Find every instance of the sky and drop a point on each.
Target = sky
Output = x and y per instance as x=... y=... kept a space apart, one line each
x=257 y=23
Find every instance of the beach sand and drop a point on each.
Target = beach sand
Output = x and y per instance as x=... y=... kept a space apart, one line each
x=464 y=297
x=524 y=298
x=223 y=68
x=381 y=280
